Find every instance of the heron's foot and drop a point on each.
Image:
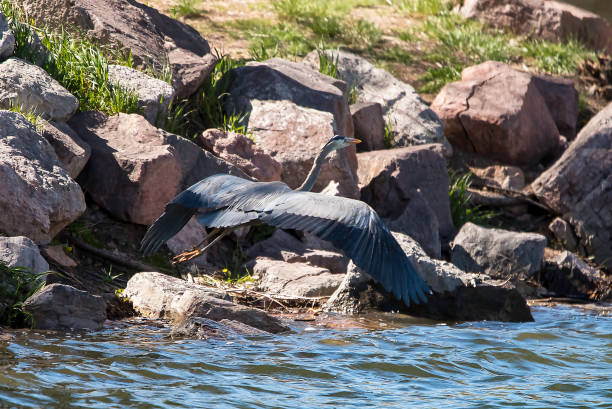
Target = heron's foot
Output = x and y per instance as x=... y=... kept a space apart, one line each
x=186 y=256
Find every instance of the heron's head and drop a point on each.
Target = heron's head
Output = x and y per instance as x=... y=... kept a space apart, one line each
x=339 y=142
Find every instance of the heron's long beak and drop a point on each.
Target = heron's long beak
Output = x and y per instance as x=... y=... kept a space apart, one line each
x=353 y=140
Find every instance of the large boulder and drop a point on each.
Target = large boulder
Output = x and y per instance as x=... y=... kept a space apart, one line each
x=412 y=121
x=293 y=111
x=156 y=295
x=241 y=151
x=22 y=252
x=499 y=113
x=394 y=180
x=457 y=296
x=62 y=307
x=72 y=151
x=545 y=19
x=154 y=95
x=497 y=252
x=7 y=39
x=32 y=89
x=135 y=168
x=37 y=196
x=151 y=37
x=578 y=185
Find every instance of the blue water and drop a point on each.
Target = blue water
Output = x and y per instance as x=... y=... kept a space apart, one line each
x=562 y=360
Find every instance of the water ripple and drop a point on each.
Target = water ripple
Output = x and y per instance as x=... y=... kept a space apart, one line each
x=563 y=360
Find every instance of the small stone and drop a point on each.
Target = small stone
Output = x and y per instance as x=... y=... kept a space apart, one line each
x=58 y=255
x=564 y=233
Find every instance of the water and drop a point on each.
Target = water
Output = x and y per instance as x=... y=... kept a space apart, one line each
x=563 y=360
x=601 y=7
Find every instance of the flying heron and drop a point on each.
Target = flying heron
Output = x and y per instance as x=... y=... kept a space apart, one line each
x=225 y=202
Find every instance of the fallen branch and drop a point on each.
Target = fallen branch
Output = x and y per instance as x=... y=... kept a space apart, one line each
x=116 y=257
x=507 y=198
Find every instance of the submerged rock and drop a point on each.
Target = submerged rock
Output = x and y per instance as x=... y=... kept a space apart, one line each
x=63 y=307
x=156 y=295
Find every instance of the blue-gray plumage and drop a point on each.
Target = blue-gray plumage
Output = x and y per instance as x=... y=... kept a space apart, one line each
x=224 y=201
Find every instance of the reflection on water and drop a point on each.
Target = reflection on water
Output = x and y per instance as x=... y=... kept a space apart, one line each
x=601 y=7
x=563 y=360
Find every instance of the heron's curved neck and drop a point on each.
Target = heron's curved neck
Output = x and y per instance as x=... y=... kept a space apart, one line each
x=316 y=168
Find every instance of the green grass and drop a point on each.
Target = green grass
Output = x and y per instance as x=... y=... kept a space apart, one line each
x=186 y=8
x=458 y=43
x=426 y=7
x=389 y=134
x=77 y=64
x=205 y=108
x=461 y=211
x=18 y=283
x=85 y=233
x=27 y=114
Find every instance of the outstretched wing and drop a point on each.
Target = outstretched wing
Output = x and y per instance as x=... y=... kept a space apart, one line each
x=217 y=192
x=355 y=228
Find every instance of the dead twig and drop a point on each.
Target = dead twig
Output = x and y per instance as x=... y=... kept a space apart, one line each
x=116 y=257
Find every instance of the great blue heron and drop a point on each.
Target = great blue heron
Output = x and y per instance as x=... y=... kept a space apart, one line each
x=225 y=202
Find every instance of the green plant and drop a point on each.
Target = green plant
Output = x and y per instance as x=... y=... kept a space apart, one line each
x=352 y=94
x=84 y=232
x=328 y=65
x=237 y=123
x=78 y=64
x=18 y=283
x=27 y=114
x=425 y=7
x=108 y=276
x=459 y=196
x=259 y=51
x=389 y=134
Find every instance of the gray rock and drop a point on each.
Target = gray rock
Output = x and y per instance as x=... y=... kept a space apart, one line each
x=389 y=179
x=497 y=252
x=295 y=279
x=204 y=328
x=564 y=233
x=412 y=121
x=62 y=307
x=37 y=196
x=579 y=186
x=420 y=222
x=30 y=87
x=312 y=251
x=71 y=150
x=458 y=296
x=135 y=168
x=568 y=276
x=22 y=252
x=153 y=38
x=290 y=105
x=154 y=95
x=369 y=125
x=7 y=39
x=156 y=295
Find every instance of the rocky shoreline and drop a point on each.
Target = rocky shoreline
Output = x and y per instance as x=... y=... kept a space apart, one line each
x=79 y=186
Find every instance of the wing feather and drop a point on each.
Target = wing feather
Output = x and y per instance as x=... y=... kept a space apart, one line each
x=355 y=228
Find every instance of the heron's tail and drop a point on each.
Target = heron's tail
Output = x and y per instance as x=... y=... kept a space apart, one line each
x=166 y=226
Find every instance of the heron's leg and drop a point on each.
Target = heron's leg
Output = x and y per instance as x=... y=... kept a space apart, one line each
x=209 y=235
x=188 y=255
